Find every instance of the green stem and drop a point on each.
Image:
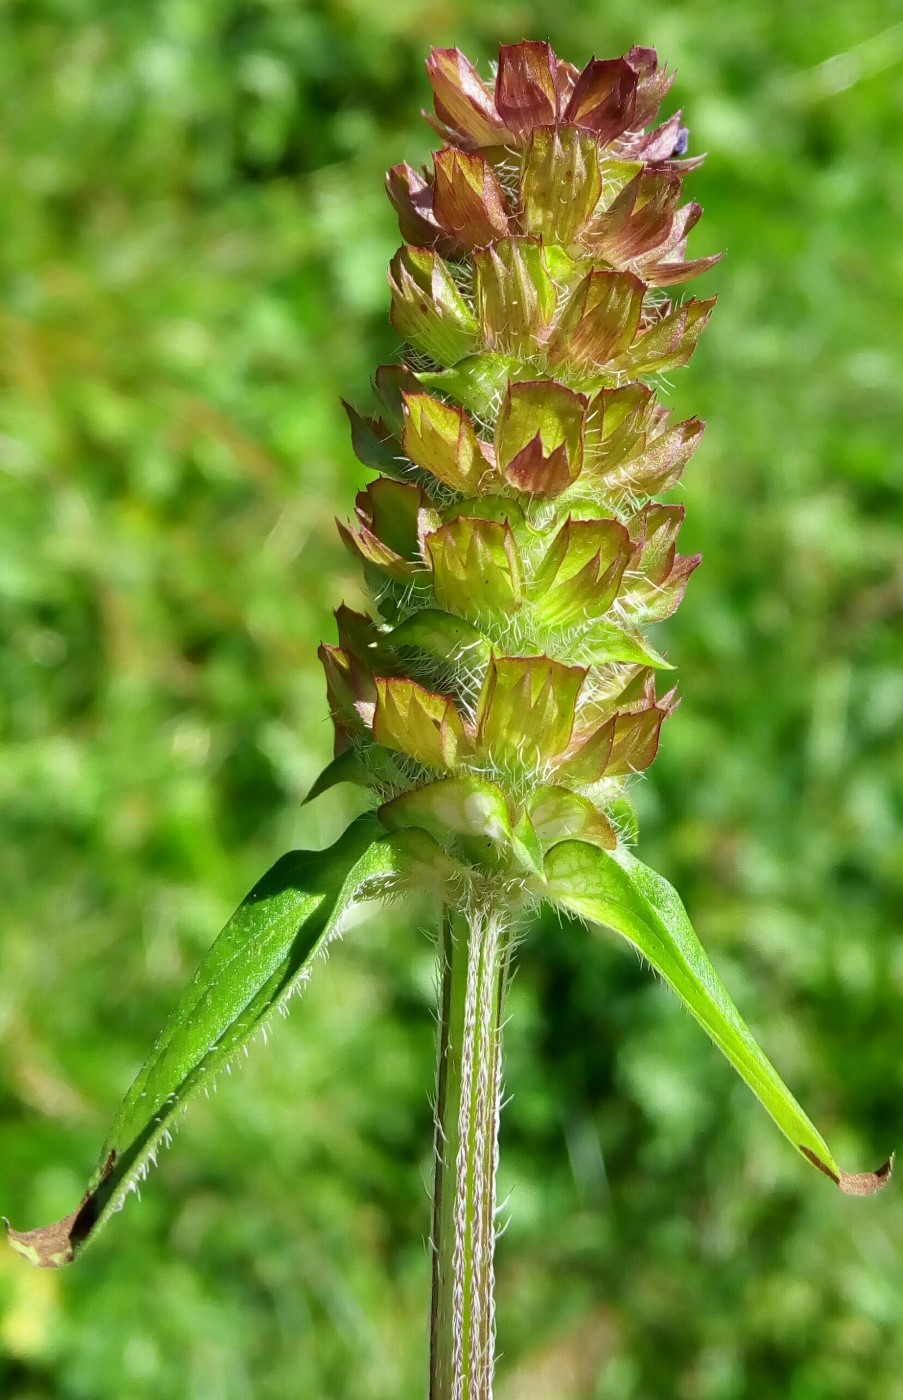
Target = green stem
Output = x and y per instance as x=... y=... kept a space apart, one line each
x=474 y=956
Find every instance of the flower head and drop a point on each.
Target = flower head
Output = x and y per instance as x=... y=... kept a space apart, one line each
x=506 y=690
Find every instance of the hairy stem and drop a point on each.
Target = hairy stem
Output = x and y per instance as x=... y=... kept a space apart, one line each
x=474 y=956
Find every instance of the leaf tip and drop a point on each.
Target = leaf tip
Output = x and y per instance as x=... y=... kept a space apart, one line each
x=854 y=1183
x=53 y=1246
x=49 y=1247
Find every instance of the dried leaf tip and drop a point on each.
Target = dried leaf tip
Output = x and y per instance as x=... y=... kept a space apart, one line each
x=855 y=1183
x=52 y=1246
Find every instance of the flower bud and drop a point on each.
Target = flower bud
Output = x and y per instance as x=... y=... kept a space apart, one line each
x=476 y=568
x=539 y=436
x=419 y=723
x=526 y=708
x=441 y=438
x=427 y=308
x=515 y=295
x=561 y=183
x=599 y=322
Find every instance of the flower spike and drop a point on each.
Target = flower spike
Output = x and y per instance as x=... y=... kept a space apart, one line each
x=503 y=693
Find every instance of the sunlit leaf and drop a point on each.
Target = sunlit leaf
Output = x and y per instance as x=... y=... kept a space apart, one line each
x=627 y=896
x=263 y=955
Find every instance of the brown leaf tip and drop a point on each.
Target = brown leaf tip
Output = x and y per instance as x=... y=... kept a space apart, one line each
x=854 y=1183
x=866 y=1183
x=52 y=1246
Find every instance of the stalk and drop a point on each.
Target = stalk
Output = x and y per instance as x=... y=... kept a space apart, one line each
x=474 y=955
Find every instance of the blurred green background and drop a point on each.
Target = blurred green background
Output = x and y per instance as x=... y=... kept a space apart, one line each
x=193 y=240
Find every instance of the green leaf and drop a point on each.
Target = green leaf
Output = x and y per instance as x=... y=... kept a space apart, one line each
x=366 y=765
x=526 y=844
x=624 y=819
x=345 y=768
x=375 y=446
x=465 y=806
x=557 y=814
x=262 y=956
x=639 y=904
x=390 y=383
x=501 y=508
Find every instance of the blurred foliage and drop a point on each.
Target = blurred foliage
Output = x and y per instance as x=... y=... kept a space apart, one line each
x=193 y=240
